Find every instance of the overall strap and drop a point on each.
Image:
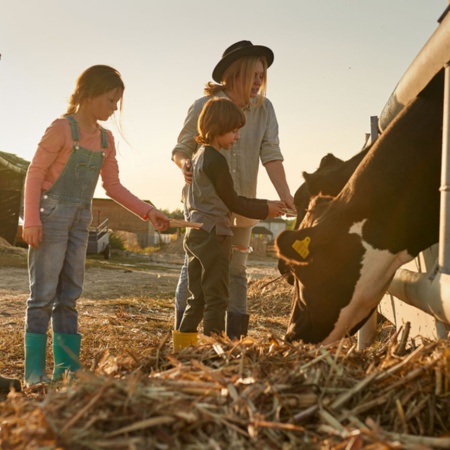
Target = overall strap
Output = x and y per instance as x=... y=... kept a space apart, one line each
x=104 y=138
x=74 y=127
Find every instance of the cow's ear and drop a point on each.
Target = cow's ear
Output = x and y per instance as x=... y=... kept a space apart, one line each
x=296 y=246
x=306 y=176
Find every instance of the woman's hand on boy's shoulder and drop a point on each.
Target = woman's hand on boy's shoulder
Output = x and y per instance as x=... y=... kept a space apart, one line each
x=187 y=171
x=185 y=164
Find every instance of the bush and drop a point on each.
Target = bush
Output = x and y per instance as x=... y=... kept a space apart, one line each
x=116 y=242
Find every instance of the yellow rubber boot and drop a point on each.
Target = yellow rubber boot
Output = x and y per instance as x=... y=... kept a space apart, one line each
x=183 y=340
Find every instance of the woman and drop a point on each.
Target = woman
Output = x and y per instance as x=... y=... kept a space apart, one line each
x=241 y=76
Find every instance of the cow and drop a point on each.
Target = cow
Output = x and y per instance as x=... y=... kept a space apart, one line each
x=348 y=247
x=328 y=179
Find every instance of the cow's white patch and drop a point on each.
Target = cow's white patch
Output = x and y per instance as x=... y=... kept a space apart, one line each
x=356 y=228
x=378 y=268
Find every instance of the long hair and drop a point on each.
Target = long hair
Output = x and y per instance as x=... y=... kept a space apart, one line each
x=218 y=117
x=94 y=81
x=238 y=78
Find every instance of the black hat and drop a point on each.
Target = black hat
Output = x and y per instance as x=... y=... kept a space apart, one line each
x=239 y=50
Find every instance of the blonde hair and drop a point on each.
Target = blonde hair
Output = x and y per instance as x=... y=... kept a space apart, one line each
x=218 y=117
x=94 y=81
x=238 y=78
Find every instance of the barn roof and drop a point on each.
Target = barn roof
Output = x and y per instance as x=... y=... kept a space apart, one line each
x=13 y=162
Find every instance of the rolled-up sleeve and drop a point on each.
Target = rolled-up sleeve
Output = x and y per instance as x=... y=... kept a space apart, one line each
x=270 y=145
x=186 y=142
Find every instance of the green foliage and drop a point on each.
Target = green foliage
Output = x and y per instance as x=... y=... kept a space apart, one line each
x=116 y=242
x=290 y=224
x=177 y=214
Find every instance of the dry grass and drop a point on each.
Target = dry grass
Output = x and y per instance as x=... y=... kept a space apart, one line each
x=136 y=393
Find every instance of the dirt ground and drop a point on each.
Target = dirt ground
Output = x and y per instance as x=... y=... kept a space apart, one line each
x=123 y=276
x=133 y=289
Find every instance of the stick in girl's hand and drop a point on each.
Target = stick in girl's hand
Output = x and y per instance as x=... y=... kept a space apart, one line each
x=176 y=223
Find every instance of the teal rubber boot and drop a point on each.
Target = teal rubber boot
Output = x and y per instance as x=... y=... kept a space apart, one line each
x=66 y=354
x=7 y=383
x=35 y=352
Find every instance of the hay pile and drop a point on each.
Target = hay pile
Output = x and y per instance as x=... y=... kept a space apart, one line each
x=135 y=393
x=7 y=248
x=262 y=394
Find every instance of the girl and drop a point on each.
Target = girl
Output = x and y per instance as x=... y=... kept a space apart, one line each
x=59 y=187
x=241 y=75
x=210 y=200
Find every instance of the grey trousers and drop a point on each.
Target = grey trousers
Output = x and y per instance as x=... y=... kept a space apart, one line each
x=208 y=275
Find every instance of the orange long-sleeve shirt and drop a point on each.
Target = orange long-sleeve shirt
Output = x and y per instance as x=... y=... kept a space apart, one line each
x=51 y=157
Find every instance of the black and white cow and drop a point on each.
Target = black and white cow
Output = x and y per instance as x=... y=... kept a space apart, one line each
x=347 y=248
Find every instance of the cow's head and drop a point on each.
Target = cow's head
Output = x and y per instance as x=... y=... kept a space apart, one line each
x=326 y=270
x=323 y=181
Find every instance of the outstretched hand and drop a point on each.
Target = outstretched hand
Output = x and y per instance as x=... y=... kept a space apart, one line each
x=289 y=201
x=276 y=208
x=158 y=219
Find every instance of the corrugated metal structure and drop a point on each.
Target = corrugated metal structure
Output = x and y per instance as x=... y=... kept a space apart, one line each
x=12 y=175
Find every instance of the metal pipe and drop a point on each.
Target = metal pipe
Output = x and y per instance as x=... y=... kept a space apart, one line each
x=444 y=224
x=429 y=294
x=428 y=62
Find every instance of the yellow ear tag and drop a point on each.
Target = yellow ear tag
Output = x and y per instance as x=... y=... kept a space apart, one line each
x=301 y=247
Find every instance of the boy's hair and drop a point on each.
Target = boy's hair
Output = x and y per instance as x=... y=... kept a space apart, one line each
x=218 y=117
x=239 y=77
x=94 y=81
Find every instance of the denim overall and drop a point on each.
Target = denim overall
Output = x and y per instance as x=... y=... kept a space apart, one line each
x=56 y=267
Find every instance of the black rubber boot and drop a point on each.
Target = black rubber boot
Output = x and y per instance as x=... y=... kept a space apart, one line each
x=237 y=325
x=244 y=324
x=7 y=383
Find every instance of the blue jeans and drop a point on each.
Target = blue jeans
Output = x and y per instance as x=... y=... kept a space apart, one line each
x=238 y=276
x=56 y=268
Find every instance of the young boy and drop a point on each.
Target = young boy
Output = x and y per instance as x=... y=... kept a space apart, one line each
x=211 y=198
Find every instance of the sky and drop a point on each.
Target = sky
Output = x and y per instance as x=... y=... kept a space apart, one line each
x=336 y=64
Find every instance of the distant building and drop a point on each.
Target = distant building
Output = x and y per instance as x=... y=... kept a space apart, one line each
x=270 y=228
x=12 y=176
x=123 y=222
x=13 y=170
x=264 y=234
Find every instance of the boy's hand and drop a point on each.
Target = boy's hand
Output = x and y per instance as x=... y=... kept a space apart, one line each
x=276 y=208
